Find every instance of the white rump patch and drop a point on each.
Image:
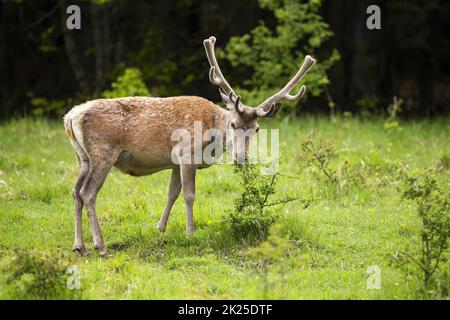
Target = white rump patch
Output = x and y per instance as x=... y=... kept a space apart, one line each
x=76 y=117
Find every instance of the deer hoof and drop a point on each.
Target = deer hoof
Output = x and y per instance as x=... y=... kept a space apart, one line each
x=105 y=255
x=160 y=228
x=81 y=250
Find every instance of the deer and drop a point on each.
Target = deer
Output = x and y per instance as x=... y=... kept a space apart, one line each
x=133 y=134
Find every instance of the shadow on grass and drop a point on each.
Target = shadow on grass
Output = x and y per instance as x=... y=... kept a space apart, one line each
x=215 y=239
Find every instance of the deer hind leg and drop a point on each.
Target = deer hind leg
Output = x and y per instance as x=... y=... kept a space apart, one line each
x=79 y=243
x=98 y=171
x=174 y=191
x=83 y=161
x=188 y=181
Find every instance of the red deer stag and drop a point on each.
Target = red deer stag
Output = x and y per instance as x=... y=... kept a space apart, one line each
x=134 y=135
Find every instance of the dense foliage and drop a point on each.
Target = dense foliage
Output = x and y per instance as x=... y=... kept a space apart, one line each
x=45 y=67
x=128 y=84
x=433 y=208
x=274 y=57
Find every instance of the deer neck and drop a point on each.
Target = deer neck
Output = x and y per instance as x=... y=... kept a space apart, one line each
x=222 y=121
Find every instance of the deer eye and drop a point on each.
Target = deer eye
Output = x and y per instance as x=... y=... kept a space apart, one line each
x=257 y=129
x=233 y=125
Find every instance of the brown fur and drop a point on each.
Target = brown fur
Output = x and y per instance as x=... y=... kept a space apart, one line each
x=141 y=128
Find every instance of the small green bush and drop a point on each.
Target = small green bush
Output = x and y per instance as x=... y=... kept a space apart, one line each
x=250 y=216
x=130 y=83
x=433 y=208
x=40 y=277
x=253 y=211
x=317 y=155
x=44 y=107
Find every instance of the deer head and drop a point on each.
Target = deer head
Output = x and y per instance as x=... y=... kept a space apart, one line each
x=243 y=118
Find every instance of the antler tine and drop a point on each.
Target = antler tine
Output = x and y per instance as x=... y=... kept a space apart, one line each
x=298 y=96
x=236 y=102
x=215 y=74
x=267 y=107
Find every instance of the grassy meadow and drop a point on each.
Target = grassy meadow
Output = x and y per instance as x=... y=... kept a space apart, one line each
x=333 y=241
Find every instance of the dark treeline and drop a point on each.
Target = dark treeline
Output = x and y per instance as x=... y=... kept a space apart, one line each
x=409 y=57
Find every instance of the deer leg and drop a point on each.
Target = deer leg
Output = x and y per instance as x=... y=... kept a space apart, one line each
x=174 y=191
x=94 y=181
x=188 y=182
x=79 y=244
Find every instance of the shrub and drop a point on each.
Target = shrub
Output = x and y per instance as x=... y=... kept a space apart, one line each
x=251 y=215
x=44 y=107
x=433 y=208
x=253 y=212
x=130 y=83
x=317 y=154
x=40 y=277
x=368 y=105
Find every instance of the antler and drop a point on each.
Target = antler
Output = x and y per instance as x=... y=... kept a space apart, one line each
x=215 y=74
x=216 y=77
x=269 y=106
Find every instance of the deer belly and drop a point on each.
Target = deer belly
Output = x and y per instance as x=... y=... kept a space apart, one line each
x=141 y=164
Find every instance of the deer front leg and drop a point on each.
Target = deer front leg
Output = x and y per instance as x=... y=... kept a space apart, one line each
x=188 y=182
x=174 y=191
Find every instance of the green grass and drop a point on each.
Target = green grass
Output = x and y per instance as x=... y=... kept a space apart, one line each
x=334 y=240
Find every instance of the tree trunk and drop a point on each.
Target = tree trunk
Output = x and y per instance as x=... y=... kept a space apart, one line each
x=100 y=23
